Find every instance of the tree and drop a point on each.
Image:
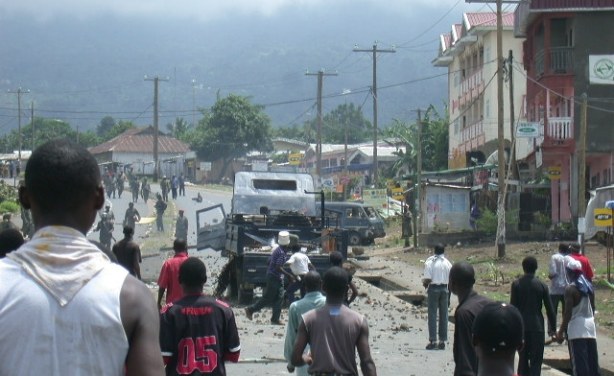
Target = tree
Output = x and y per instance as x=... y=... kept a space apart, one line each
x=231 y=129
x=294 y=132
x=435 y=139
x=42 y=130
x=105 y=126
x=335 y=122
x=433 y=142
x=118 y=129
x=179 y=128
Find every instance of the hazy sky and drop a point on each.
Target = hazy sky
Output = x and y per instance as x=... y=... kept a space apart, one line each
x=201 y=9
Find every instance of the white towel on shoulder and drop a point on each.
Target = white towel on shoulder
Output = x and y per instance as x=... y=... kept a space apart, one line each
x=61 y=260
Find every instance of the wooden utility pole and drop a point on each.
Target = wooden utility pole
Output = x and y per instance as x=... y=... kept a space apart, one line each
x=194 y=103
x=19 y=92
x=513 y=170
x=417 y=190
x=320 y=75
x=582 y=169
x=374 y=52
x=32 y=120
x=500 y=237
x=156 y=80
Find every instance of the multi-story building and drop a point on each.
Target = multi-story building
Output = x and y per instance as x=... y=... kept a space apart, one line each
x=469 y=52
x=563 y=38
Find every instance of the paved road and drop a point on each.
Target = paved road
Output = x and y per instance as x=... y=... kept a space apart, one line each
x=397 y=328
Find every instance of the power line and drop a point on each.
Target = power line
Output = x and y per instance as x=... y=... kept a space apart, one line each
x=432 y=25
x=374 y=51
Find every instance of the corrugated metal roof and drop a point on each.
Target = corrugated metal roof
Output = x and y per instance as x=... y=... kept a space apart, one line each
x=457 y=32
x=571 y=4
x=140 y=140
x=446 y=40
x=482 y=19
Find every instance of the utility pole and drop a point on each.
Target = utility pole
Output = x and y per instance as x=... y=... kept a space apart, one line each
x=156 y=80
x=374 y=52
x=19 y=92
x=320 y=75
x=501 y=139
x=417 y=208
x=513 y=170
x=194 y=103
x=582 y=170
x=500 y=237
x=32 y=120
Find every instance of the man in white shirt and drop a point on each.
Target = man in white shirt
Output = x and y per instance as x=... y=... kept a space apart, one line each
x=435 y=280
x=558 y=278
x=299 y=265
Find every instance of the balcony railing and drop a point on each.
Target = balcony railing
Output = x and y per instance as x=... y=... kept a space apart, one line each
x=472 y=132
x=472 y=82
x=559 y=129
x=559 y=59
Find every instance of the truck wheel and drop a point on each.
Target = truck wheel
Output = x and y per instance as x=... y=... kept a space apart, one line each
x=354 y=238
x=226 y=278
x=245 y=296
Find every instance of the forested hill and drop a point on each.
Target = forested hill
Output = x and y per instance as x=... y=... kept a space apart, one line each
x=81 y=70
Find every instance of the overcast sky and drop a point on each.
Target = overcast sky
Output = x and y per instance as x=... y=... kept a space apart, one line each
x=200 y=9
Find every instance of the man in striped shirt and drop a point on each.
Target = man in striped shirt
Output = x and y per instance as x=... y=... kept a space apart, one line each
x=274 y=290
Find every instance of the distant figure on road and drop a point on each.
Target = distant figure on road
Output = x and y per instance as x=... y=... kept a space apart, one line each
x=435 y=280
x=128 y=253
x=558 y=278
x=145 y=190
x=198 y=198
x=313 y=299
x=160 y=207
x=334 y=333
x=164 y=187
x=105 y=226
x=134 y=188
x=181 y=185
x=168 y=281
x=119 y=184
x=181 y=226
x=132 y=216
x=529 y=294
x=497 y=335
x=462 y=278
x=198 y=333
x=174 y=186
x=578 y=324
x=82 y=314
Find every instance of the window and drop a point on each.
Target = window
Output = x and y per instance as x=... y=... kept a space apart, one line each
x=275 y=185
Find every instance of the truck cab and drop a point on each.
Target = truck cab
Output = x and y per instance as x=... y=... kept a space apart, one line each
x=263 y=204
x=362 y=222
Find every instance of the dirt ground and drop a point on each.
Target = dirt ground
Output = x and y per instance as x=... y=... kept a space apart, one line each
x=494 y=276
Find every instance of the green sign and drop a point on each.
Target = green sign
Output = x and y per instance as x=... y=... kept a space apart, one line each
x=527 y=130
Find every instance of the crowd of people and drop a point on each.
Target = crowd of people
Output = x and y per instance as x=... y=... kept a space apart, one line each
x=82 y=314
x=488 y=334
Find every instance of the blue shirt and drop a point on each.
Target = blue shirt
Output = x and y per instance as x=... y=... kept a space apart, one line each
x=278 y=258
x=311 y=300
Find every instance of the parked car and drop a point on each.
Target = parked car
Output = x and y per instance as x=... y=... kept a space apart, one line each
x=363 y=222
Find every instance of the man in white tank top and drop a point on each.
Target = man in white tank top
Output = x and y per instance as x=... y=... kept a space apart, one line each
x=65 y=309
x=579 y=323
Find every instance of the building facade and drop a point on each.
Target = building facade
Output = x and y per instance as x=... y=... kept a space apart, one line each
x=133 y=150
x=469 y=52
x=562 y=38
